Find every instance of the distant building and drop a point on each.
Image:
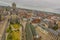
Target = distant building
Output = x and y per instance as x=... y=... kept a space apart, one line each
x=14 y=10
x=13 y=6
x=48 y=23
x=59 y=24
x=36 y=21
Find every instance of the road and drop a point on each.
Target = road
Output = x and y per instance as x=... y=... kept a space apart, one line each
x=23 y=29
x=44 y=36
x=3 y=26
x=3 y=29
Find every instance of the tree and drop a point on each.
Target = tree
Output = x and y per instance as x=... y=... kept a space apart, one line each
x=9 y=37
x=33 y=30
x=0 y=17
x=29 y=35
x=55 y=27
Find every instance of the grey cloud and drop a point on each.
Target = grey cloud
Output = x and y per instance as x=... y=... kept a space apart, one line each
x=48 y=5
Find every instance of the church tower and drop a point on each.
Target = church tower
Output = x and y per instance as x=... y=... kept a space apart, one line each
x=13 y=6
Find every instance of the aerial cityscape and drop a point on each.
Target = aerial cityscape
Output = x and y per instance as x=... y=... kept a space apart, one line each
x=25 y=24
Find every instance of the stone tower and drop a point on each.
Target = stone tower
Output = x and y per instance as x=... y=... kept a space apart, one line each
x=13 y=6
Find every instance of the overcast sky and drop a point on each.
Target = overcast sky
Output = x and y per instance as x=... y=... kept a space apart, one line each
x=45 y=5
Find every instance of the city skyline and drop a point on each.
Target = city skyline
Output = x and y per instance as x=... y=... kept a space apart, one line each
x=43 y=5
x=26 y=24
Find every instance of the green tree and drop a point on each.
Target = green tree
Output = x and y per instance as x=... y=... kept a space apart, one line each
x=0 y=17
x=33 y=30
x=9 y=37
x=55 y=27
x=29 y=35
